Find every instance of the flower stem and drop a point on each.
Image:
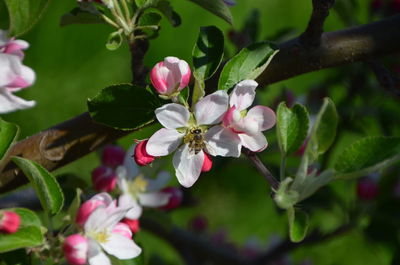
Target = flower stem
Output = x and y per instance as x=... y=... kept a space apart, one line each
x=283 y=168
x=110 y=21
x=127 y=11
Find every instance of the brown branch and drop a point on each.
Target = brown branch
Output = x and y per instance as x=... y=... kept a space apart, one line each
x=311 y=38
x=68 y=141
x=337 y=48
x=262 y=169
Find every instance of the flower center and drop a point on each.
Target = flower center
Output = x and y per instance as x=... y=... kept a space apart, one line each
x=195 y=139
x=101 y=237
x=138 y=185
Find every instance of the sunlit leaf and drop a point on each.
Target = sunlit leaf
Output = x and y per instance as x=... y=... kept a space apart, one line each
x=298 y=224
x=217 y=7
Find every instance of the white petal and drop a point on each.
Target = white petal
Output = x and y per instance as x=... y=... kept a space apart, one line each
x=154 y=199
x=163 y=142
x=104 y=197
x=243 y=94
x=95 y=255
x=222 y=141
x=127 y=201
x=264 y=116
x=101 y=219
x=211 y=109
x=160 y=182
x=10 y=68
x=172 y=116
x=10 y=103
x=254 y=142
x=121 y=247
x=187 y=165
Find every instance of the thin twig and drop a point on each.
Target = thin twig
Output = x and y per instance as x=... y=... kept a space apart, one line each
x=311 y=37
x=259 y=165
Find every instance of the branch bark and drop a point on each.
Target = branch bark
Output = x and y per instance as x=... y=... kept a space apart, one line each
x=70 y=140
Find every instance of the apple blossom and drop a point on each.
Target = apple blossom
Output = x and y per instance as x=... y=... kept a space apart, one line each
x=174 y=200
x=14 y=76
x=9 y=222
x=192 y=134
x=142 y=158
x=75 y=249
x=170 y=76
x=104 y=179
x=104 y=232
x=134 y=224
x=86 y=209
x=248 y=125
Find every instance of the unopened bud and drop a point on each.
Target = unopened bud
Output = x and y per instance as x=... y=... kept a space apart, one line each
x=142 y=158
x=9 y=222
x=207 y=163
x=175 y=199
x=75 y=249
x=113 y=156
x=104 y=179
x=133 y=224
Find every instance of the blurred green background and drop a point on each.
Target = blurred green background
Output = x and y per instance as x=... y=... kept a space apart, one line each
x=72 y=64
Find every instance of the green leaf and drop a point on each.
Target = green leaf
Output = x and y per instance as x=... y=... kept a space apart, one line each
x=166 y=9
x=123 y=106
x=198 y=91
x=28 y=235
x=24 y=14
x=75 y=204
x=4 y=19
x=217 y=7
x=114 y=40
x=8 y=135
x=47 y=188
x=208 y=52
x=140 y=3
x=367 y=155
x=292 y=127
x=249 y=63
x=298 y=224
x=79 y=16
x=150 y=19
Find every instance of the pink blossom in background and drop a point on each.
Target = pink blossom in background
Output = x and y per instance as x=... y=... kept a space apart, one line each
x=75 y=249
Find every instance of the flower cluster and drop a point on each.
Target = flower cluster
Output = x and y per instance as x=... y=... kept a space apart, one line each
x=103 y=232
x=14 y=76
x=217 y=125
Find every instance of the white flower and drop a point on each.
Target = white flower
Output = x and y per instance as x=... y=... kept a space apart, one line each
x=14 y=76
x=102 y=235
x=191 y=134
x=137 y=190
x=248 y=125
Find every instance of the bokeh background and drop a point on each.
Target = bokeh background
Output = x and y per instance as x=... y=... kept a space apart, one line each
x=72 y=64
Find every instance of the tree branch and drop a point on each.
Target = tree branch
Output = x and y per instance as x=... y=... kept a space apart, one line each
x=68 y=141
x=311 y=38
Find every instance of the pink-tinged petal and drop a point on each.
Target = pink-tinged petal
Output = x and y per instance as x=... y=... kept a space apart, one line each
x=222 y=142
x=27 y=78
x=75 y=249
x=10 y=68
x=101 y=219
x=228 y=117
x=248 y=126
x=163 y=142
x=142 y=158
x=172 y=116
x=9 y=222
x=10 y=103
x=86 y=209
x=134 y=224
x=187 y=165
x=157 y=78
x=18 y=82
x=243 y=94
x=185 y=72
x=122 y=229
x=207 y=164
x=15 y=47
x=255 y=142
x=153 y=199
x=126 y=201
x=264 y=116
x=121 y=247
x=211 y=109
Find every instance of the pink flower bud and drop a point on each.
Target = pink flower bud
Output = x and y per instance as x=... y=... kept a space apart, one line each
x=75 y=249
x=9 y=222
x=198 y=224
x=142 y=158
x=133 y=224
x=170 y=76
x=207 y=163
x=123 y=229
x=174 y=200
x=86 y=209
x=104 y=179
x=367 y=189
x=113 y=156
